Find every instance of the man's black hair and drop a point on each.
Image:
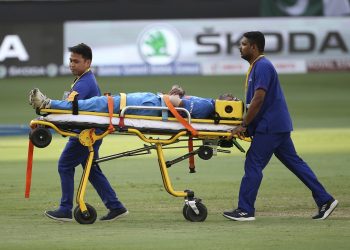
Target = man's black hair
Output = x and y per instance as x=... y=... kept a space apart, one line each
x=83 y=50
x=256 y=37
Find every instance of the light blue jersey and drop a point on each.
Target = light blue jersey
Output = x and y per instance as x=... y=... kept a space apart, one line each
x=198 y=107
x=99 y=104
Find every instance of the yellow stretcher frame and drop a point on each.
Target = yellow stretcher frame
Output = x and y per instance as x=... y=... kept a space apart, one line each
x=193 y=209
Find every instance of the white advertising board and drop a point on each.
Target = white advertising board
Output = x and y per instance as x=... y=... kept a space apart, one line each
x=210 y=46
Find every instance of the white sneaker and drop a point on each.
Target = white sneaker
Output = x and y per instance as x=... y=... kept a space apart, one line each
x=38 y=99
x=239 y=215
x=325 y=210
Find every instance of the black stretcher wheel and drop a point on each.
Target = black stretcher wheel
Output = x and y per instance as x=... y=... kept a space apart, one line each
x=40 y=137
x=85 y=218
x=184 y=211
x=205 y=152
x=190 y=215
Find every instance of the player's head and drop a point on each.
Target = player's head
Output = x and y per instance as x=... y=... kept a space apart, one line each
x=256 y=38
x=83 y=50
x=252 y=45
x=80 y=59
x=227 y=97
x=177 y=90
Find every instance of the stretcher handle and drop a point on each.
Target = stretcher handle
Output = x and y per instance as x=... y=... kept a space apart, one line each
x=29 y=169
x=192 y=167
x=54 y=127
x=122 y=112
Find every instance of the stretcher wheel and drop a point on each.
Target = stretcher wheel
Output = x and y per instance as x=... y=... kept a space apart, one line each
x=184 y=211
x=192 y=216
x=40 y=137
x=205 y=152
x=85 y=218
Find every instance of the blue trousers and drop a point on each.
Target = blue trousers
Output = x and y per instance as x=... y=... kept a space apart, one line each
x=74 y=154
x=260 y=153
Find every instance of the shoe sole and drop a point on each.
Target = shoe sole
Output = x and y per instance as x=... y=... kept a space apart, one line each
x=58 y=219
x=329 y=211
x=117 y=217
x=239 y=219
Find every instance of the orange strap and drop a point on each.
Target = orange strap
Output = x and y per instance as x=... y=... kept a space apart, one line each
x=110 y=103
x=191 y=158
x=121 y=122
x=178 y=116
x=29 y=169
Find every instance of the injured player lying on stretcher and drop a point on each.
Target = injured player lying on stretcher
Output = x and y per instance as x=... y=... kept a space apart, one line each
x=198 y=107
x=95 y=120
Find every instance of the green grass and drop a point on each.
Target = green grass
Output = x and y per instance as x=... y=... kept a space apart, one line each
x=315 y=100
x=284 y=205
x=319 y=104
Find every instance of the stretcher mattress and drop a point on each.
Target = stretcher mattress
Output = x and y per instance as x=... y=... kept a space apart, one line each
x=78 y=121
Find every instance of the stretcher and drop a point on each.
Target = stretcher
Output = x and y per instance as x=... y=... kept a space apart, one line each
x=158 y=132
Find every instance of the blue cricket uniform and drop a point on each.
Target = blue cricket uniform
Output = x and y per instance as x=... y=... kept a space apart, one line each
x=197 y=106
x=271 y=130
x=75 y=153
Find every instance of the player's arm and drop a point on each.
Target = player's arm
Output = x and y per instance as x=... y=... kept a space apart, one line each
x=254 y=107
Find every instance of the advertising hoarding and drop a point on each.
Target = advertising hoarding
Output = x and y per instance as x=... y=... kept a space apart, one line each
x=174 y=47
x=30 y=49
x=210 y=46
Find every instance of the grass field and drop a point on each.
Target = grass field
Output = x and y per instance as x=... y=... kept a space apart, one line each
x=319 y=104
